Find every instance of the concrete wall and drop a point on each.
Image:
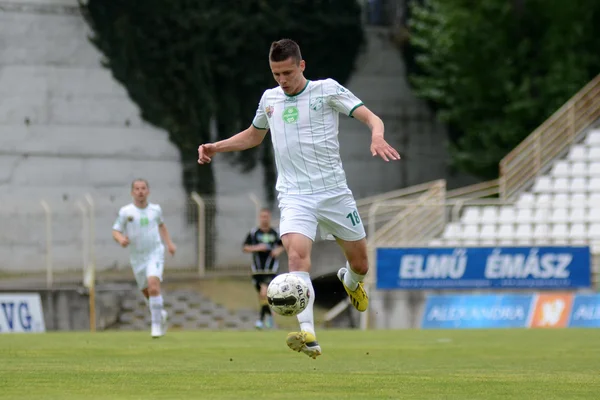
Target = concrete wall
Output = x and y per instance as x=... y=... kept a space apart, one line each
x=67 y=129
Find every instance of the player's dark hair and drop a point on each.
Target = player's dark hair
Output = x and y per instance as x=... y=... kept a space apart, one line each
x=283 y=49
x=140 y=180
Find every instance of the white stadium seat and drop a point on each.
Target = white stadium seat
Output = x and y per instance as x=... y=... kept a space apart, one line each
x=488 y=234
x=559 y=215
x=578 y=153
x=471 y=216
x=593 y=169
x=593 y=138
x=541 y=215
x=594 y=231
x=543 y=199
x=470 y=235
x=578 y=215
x=578 y=185
x=506 y=234
x=560 y=185
x=578 y=233
x=507 y=215
x=593 y=154
x=541 y=232
x=526 y=200
x=594 y=185
x=525 y=215
x=561 y=169
x=594 y=214
x=543 y=184
x=578 y=199
x=560 y=199
x=489 y=214
x=560 y=233
x=593 y=200
x=579 y=170
x=524 y=233
x=452 y=231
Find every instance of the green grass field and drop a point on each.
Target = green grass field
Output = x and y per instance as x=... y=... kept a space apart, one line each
x=466 y=364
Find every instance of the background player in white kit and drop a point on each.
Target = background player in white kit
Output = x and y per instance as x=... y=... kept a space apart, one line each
x=140 y=226
x=302 y=116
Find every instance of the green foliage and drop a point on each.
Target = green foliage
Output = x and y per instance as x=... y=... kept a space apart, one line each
x=495 y=70
x=187 y=63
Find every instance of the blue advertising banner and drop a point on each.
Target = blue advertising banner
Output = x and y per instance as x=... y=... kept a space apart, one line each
x=585 y=312
x=477 y=311
x=484 y=267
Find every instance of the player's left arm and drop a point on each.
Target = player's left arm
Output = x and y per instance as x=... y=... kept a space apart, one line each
x=164 y=234
x=379 y=147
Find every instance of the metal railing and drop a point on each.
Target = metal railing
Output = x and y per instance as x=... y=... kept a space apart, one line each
x=549 y=141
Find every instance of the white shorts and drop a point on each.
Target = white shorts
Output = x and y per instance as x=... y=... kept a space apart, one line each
x=153 y=265
x=333 y=211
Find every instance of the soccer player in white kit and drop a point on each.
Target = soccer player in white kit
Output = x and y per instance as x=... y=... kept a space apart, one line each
x=140 y=226
x=302 y=116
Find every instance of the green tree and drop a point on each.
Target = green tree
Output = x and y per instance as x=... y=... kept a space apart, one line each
x=188 y=63
x=495 y=70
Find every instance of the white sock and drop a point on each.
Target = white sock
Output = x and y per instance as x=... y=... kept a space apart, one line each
x=156 y=307
x=306 y=317
x=351 y=278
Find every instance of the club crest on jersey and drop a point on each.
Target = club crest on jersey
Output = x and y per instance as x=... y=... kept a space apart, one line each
x=130 y=219
x=316 y=104
x=269 y=110
x=341 y=89
x=290 y=115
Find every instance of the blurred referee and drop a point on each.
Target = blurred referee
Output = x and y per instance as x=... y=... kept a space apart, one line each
x=265 y=245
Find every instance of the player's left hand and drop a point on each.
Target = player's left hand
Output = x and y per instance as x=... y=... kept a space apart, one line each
x=276 y=252
x=381 y=148
x=171 y=247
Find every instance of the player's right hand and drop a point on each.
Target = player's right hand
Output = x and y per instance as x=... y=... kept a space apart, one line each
x=206 y=152
x=124 y=242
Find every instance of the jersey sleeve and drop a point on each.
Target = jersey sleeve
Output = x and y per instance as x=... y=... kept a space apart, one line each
x=341 y=99
x=159 y=215
x=261 y=120
x=120 y=222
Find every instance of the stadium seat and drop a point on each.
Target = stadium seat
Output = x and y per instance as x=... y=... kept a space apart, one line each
x=559 y=215
x=593 y=169
x=578 y=200
x=541 y=215
x=594 y=185
x=561 y=169
x=507 y=215
x=578 y=153
x=543 y=184
x=593 y=200
x=526 y=200
x=471 y=215
x=578 y=233
x=506 y=234
x=452 y=231
x=594 y=214
x=560 y=199
x=593 y=154
x=470 y=235
x=560 y=185
x=524 y=233
x=488 y=234
x=541 y=232
x=578 y=185
x=594 y=231
x=525 y=215
x=578 y=215
x=489 y=215
x=543 y=199
x=593 y=138
x=578 y=170
x=560 y=233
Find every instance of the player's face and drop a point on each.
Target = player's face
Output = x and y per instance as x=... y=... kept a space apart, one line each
x=140 y=191
x=264 y=219
x=288 y=74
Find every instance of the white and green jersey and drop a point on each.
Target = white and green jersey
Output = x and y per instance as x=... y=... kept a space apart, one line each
x=304 y=132
x=140 y=225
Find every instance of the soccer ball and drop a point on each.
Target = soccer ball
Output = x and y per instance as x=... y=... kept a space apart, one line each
x=288 y=295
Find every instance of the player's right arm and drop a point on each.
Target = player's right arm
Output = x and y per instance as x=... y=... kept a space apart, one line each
x=248 y=138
